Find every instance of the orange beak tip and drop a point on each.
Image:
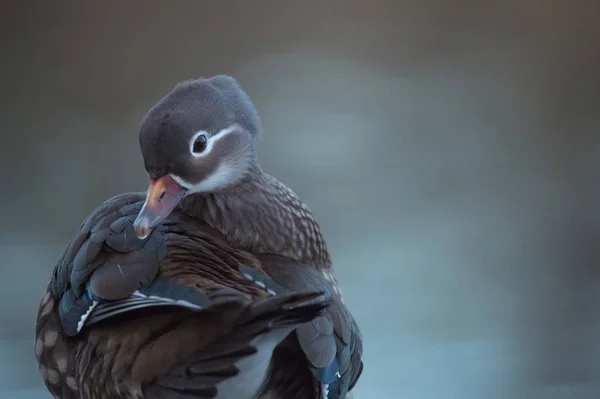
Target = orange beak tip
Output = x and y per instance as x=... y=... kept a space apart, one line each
x=163 y=196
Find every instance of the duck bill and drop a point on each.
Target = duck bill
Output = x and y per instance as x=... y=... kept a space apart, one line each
x=163 y=196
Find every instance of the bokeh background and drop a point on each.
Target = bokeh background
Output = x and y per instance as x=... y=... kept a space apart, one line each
x=450 y=150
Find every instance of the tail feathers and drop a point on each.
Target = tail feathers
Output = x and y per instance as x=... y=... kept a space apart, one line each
x=218 y=361
x=199 y=379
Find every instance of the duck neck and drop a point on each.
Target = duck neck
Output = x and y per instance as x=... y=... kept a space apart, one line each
x=263 y=216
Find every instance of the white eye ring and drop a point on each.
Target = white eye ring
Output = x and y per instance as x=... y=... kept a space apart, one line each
x=205 y=146
x=209 y=140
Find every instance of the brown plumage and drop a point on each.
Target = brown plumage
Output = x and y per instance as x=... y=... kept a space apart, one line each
x=199 y=149
x=160 y=351
x=206 y=266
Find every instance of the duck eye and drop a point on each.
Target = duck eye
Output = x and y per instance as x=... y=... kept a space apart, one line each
x=199 y=144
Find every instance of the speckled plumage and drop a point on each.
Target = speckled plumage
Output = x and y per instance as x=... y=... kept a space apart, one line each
x=263 y=216
x=157 y=350
x=213 y=286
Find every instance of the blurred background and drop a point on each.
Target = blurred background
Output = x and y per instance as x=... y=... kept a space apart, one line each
x=450 y=150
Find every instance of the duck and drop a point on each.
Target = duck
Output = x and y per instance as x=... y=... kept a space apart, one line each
x=215 y=283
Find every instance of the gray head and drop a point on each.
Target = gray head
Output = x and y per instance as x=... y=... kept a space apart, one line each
x=199 y=138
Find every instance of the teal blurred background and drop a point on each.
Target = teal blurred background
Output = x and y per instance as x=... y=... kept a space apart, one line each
x=449 y=149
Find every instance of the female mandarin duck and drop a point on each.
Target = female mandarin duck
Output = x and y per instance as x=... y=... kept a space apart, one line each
x=216 y=283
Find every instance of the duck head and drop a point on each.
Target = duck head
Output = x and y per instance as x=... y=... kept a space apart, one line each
x=199 y=138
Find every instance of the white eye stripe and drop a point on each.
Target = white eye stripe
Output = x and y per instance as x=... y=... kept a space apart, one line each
x=223 y=174
x=209 y=140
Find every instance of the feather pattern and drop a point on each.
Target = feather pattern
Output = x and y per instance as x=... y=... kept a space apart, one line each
x=172 y=316
x=212 y=301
